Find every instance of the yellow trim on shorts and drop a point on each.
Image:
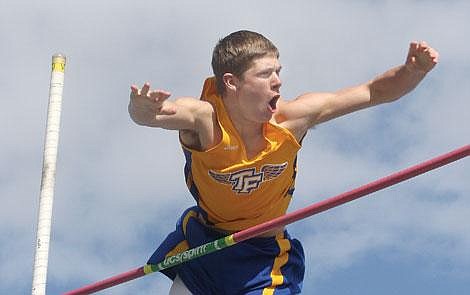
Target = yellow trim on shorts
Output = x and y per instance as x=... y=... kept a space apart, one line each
x=183 y=245
x=276 y=276
x=190 y=214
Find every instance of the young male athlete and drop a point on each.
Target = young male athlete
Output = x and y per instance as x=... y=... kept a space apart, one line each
x=240 y=140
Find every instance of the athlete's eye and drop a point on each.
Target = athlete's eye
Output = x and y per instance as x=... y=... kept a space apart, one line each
x=266 y=74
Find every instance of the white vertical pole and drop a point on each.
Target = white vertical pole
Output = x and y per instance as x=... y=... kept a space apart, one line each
x=48 y=175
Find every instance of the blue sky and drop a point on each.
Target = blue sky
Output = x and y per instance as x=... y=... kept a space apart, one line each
x=120 y=187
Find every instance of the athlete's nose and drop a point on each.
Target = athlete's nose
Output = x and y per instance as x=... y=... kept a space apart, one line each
x=276 y=81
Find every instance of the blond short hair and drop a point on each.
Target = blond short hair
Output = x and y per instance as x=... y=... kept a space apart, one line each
x=236 y=52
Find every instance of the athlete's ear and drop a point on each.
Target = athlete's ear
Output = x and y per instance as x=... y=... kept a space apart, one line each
x=230 y=81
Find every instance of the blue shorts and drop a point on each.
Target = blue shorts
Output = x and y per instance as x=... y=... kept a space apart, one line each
x=273 y=265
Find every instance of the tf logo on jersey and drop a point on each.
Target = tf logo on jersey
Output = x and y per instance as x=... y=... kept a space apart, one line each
x=246 y=180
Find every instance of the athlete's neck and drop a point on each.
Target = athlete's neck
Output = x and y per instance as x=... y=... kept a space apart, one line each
x=251 y=132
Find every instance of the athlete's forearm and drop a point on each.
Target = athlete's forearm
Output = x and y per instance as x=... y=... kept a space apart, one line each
x=394 y=83
x=181 y=114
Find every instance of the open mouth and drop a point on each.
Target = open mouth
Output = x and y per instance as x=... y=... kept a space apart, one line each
x=273 y=102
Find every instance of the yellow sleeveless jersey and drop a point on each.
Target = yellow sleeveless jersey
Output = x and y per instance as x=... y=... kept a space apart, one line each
x=234 y=191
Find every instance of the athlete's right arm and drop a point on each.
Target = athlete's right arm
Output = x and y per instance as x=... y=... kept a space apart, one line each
x=152 y=108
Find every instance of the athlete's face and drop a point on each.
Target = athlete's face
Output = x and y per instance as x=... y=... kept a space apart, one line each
x=258 y=89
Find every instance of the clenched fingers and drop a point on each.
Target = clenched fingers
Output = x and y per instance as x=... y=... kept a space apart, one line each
x=422 y=56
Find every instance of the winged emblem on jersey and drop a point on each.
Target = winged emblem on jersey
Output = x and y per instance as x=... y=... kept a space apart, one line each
x=246 y=180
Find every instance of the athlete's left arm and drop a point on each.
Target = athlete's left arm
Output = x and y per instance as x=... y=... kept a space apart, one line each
x=311 y=109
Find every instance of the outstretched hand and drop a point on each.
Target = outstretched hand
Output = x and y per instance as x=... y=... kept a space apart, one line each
x=421 y=57
x=153 y=100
